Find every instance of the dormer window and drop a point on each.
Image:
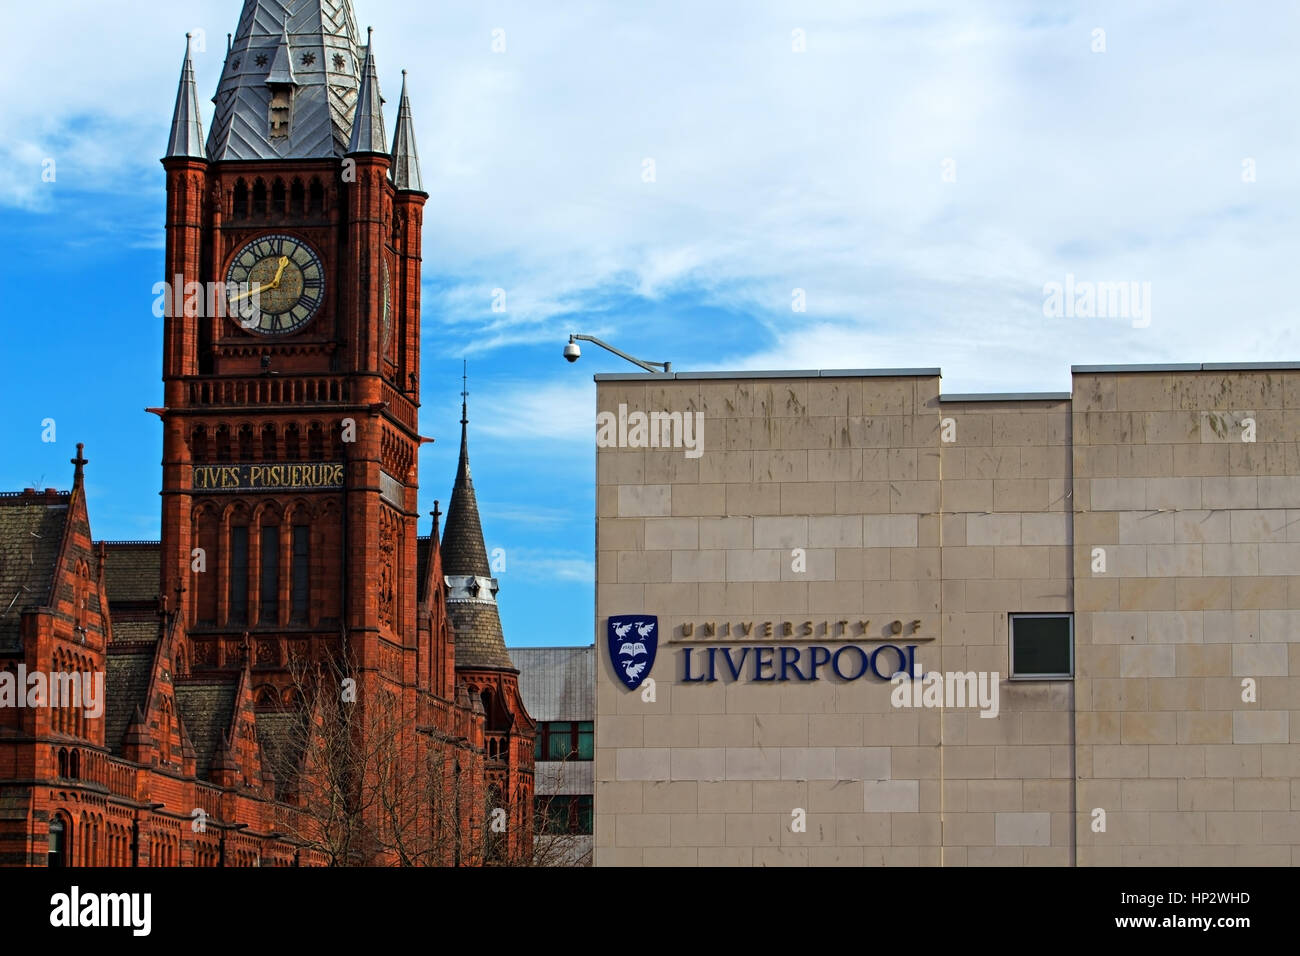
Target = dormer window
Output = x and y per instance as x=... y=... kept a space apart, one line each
x=281 y=110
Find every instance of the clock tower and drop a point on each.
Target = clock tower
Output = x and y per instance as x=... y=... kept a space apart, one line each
x=291 y=364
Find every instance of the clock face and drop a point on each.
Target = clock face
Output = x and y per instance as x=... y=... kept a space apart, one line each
x=385 y=309
x=282 y=284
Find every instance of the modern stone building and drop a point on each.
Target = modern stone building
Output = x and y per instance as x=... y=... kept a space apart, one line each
x=1125 y=557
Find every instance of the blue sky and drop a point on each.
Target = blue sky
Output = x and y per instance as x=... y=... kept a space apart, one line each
x=776 y=170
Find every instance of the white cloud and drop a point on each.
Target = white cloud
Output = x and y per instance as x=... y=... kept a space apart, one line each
x=775 y=170
x=530 y=413
x=534 y=565
x=535 y=516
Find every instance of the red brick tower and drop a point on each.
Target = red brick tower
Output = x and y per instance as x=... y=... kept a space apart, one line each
x=290 y=365
x=290 y=432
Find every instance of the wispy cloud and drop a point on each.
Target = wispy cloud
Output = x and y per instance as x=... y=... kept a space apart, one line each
x=825 y=171
x=537 y=565
x=528 y=413
x=533 y=516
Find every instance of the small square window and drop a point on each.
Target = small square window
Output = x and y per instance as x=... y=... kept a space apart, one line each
x=559 y=735
x=1042 y=646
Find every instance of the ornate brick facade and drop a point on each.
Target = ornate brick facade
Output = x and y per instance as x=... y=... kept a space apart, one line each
x=289 y=539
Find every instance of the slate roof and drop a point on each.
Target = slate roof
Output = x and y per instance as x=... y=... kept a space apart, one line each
x=31 y=531
x=478 y=635
x=206 y=707
x=479 y=641
x=326 y=61
x=281 y=742
x=557 y=683
x=125 y=684
x=135 y=631
x=463 y=551
x=131 y=573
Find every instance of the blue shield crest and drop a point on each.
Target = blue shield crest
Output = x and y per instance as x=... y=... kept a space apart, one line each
x=633 y=640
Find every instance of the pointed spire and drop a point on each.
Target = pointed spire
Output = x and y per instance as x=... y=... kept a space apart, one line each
x=471 y=589
x=463 y=551
x=368 y=123
x=187 y=125
x=406 y=158
x=282 y=64
x=325 y=57
x=464 y=396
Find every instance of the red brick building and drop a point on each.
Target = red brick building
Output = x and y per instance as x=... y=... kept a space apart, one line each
x=289 y=531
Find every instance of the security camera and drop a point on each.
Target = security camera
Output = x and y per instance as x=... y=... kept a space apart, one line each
x=572 y=352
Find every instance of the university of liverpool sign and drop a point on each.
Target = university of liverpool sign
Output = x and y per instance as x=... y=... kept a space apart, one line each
x=288 y=476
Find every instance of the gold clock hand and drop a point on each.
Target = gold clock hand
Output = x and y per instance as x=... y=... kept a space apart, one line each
x=273 y=284
x=244 y=295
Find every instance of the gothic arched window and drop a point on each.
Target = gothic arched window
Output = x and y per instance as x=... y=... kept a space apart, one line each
x=268 y=443
x=223 y=443
x=199 y=444
x=245 y=442
x=292 y=446
x=269 y=586
x=315 y=442
x=60 y=834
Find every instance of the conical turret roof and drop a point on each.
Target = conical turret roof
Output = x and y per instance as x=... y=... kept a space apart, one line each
x=368 y=121
x=471 y=589
x=463 y=550
x=187 y=126
x=406 y=158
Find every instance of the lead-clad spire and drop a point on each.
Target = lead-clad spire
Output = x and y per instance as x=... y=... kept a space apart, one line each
x=187 y=126
x=368 y=123
x=406 y=158
x=308 y=45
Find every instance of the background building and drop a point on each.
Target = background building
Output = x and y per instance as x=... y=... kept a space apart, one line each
x=558 y=686
x=1128 y=552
